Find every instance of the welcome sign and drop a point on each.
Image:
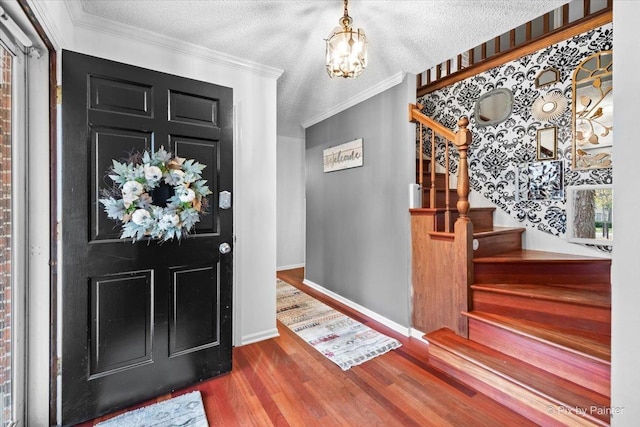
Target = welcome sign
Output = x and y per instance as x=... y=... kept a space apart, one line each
x=344 y=156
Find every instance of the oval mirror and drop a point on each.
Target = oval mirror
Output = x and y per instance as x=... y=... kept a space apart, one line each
x=493 y=107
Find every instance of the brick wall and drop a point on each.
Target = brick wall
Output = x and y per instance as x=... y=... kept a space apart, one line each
x=5 y=236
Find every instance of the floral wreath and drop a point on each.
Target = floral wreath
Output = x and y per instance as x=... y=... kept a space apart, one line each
x=136 y=182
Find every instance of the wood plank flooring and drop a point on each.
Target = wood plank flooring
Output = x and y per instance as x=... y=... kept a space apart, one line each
x=285 y=382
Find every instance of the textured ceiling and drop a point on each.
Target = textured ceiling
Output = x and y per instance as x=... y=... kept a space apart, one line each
x=404 y=36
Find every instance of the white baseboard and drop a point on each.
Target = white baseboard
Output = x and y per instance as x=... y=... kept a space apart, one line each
x=289 y=267
x=259 y=336
x=415 y=333
x=363 y=310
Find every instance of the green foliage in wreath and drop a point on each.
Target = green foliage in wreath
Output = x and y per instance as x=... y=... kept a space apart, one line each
x=130 y=200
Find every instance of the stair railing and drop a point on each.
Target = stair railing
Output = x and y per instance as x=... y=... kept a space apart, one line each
x=462 y=140
x=442 y=262
x=562 y=23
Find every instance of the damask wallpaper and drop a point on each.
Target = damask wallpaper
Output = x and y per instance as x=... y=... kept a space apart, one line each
x=499 y=151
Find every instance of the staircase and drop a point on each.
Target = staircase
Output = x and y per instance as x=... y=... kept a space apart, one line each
x=539 y=335
x=530 y=329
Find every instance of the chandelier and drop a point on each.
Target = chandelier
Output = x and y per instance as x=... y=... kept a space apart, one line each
x=346 y=49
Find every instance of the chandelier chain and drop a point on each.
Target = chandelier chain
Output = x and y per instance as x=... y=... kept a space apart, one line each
x=346 y=12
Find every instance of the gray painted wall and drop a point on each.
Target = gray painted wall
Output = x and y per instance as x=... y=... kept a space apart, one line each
x=290 y=202
x=625 y=292
x=358 y=227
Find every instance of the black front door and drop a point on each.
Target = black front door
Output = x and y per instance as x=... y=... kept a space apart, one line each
x=139 y=319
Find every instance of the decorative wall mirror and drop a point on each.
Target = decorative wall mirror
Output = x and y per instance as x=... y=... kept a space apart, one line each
x=589 y=214
x=547 y=76
x=540 y=181
x=593 y=112
x=547 y=143
x=493 y=107
x=549 y=106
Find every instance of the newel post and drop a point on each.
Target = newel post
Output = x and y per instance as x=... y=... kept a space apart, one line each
x=462 y=142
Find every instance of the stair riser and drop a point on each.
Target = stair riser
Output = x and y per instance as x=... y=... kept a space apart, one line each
x=589 y=373
x=482 y=220
x=440 y=198
x=553 y=313
x=498 y=243
x=587 y=272
x=515 y=397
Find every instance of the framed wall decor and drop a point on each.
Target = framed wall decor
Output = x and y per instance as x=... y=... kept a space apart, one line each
x=593 y=112
x=590 y=214
x=541 y=181
x=547 y=77
x=343 y=156
x=549 y=106
x=547 y=143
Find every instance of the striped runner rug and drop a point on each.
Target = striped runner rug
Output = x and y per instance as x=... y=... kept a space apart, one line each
x=344 y=341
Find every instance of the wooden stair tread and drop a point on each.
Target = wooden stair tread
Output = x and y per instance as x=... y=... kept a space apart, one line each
x=593 y=347
x=441 y=210
x=550 y=293
x=441 y=190
x=562 y=392
x=528 y=255
x=482 y=209
x=496 y=231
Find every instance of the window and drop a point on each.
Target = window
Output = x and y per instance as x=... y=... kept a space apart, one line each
x=12 y=225
x=6 y=236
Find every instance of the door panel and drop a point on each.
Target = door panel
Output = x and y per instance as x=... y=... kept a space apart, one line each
x=207 y=152
x=189 y=108
x=192 y=324
x=139 y=319
x=120 y=96
x=108 y=144
x=121 y=302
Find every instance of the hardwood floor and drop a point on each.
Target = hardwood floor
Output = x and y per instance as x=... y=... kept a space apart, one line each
x=285 y=382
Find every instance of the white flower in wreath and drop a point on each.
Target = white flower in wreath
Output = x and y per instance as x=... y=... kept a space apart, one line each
x=131 y=191
x=139 y=216
x=152 y=173
x=132 y=187
x=187 y=195
x=168 y=221
x=128 y=199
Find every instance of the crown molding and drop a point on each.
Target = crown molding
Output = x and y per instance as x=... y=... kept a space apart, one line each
x=96 y=23
x=362 y=96
x=50 y=28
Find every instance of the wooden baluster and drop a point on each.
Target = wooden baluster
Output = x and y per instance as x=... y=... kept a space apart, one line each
x=546 y=23
x=421 y=167
x=432 y=164
x=462 y=142
x=447 y=203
